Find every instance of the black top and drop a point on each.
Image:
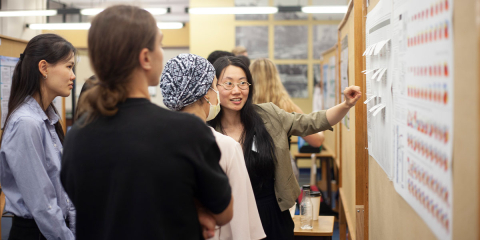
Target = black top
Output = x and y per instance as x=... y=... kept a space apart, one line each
x=263 y=184
x=135 y=175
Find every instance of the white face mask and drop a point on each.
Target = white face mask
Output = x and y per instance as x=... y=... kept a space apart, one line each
x=214 y=109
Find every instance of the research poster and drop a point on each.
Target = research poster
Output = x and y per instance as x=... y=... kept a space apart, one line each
x=409 y=54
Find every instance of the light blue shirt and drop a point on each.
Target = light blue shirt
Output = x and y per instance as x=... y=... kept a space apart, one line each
x=30 y=157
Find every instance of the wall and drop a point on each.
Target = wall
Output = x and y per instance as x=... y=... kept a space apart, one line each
x=15 y=26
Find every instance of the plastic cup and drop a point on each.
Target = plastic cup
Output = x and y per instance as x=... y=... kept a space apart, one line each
x=315 y=197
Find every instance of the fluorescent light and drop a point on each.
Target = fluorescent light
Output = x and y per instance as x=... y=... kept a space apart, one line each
x=86 y=26
x=60 y=26
x=325 y=9
x=28 y=13
x=91 y=11
x=157 y=11
x=234 y=10
x=95 y=11
x=169 y=25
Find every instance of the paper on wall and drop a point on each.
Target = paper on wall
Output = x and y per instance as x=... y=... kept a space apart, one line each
x=344 y=75
x=424 y=87
x=378 y=32
x=7 y=67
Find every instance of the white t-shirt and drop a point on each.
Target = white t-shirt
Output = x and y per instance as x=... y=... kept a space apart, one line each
x=246 y=223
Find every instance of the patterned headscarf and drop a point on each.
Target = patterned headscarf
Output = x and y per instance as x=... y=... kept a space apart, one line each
x=185 y=79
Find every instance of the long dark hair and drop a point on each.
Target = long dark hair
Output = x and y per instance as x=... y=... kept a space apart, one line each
x=113 y=52
x=263 y=165
x=27 y=78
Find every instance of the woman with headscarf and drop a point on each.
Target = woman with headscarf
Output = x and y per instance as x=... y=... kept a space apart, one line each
x=189 y=85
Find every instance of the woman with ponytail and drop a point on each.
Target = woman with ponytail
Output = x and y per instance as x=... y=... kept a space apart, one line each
x=132 y=169
x=31 y=143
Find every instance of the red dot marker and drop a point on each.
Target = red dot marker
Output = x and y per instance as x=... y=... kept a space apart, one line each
x=446 y=29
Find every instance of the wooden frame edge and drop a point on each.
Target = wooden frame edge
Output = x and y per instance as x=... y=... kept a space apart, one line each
x=329 y=50
x=478 y=75
x=361 y=154
x=345 y=18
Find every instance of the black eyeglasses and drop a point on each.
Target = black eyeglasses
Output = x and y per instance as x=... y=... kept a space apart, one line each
x=229 y=85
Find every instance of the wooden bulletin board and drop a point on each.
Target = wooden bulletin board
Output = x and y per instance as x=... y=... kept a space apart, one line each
x=390 y=215
x=352 y=173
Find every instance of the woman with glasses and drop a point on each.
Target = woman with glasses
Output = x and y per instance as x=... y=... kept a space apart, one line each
x=189 y=85
x=262 y=130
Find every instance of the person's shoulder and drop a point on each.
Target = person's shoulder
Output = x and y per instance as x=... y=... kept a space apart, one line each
x=267 y=109
x=186 y=122
x=23 y=115
x=224 y=140
x=173 y=117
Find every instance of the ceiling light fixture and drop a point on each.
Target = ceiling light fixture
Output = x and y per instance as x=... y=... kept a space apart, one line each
x=325 y=9
x=170 y=25
x=234 y=10
x=86 y=26
x=95 y=11
x=28 y=13
x=91 y=11
x=59 y=26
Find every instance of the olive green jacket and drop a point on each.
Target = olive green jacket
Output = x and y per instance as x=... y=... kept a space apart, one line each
x=280 y=125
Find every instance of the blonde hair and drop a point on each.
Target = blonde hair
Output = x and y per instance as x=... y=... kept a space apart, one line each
x=239 y=50
x=268 y=86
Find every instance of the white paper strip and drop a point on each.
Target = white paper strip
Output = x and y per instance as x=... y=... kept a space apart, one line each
x=371 y=50
x=369 y=99
x=368 y=49
x=376 y=73
x=368 y=71
x=379 y=46
x=375 y=107
x=381 y=75
x=379 y=109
